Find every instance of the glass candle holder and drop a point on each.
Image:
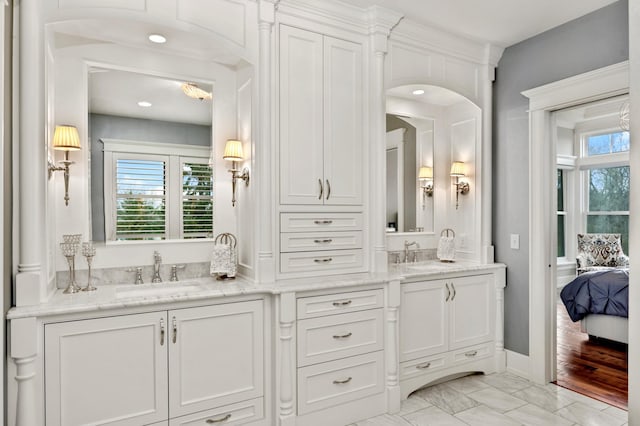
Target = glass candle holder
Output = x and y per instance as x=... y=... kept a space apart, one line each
x=88 y=251
x=69 y=250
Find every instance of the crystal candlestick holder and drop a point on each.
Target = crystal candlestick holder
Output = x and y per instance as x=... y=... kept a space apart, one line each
x=72 y=239
x=88 y=251
x=69 y=250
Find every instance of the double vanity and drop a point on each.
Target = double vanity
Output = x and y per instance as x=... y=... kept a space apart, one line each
x=308 y=351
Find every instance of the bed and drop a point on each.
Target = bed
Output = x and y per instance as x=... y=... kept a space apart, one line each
x=600 y=301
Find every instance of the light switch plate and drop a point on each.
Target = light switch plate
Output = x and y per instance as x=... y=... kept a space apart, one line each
x=515 y=241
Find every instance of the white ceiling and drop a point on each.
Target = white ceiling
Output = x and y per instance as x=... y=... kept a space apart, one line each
x=500 y=22
x=433 y=95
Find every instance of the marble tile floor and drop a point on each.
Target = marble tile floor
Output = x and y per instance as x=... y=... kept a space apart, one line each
x=496 y=400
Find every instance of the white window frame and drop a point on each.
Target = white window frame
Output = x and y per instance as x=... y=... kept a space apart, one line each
x=567 y=164
x=173 y=155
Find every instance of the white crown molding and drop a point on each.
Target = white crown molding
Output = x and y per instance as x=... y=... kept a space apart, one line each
x=611 y=80
x=426 y=38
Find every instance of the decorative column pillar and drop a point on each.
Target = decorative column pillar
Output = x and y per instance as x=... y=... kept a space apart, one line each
x=500 y=354
x=392 y=346
x=286 y=342
x=264 y=148
x=23 y=351
x=30 y=284
x=381 y=21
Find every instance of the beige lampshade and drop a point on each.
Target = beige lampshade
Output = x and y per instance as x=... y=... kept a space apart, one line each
x=66 y=138
x=233 y=150
x=425 y=173
x=457 y=168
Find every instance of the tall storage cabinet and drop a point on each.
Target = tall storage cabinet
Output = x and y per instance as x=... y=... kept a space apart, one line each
x=321 y=155
x=321 y=152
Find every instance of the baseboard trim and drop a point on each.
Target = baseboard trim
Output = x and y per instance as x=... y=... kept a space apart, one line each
x=518 y=364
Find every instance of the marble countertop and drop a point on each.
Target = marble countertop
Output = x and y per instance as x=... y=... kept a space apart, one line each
x=115 y=296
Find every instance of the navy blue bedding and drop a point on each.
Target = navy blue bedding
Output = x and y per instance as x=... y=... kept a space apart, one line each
x=597 y=292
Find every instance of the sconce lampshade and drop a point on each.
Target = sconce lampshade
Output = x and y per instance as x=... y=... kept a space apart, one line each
x=457 y=169
x=66 y=138
x=233 y=150
x=425 y=173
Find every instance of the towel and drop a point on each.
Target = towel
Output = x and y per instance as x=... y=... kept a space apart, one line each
x=446 y=249
x=223 y=260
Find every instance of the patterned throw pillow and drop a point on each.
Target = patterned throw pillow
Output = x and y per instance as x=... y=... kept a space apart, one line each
x=600 y=249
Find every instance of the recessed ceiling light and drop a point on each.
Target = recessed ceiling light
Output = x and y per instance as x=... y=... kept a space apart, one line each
x=157 y=38
x=418 y=92
x=144 y=104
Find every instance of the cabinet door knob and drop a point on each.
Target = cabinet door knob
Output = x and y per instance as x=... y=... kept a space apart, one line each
x=161 y=331
x=454 y=291
x=342 y=303
x=175 y=329
x=448 y=292
x=220 y=420
x=423 y=366
x=321 y=189
x=328 y=189
x=342 y=336
x=342 y=381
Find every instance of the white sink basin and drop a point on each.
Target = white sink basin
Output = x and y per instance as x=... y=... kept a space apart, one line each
x=159 y=289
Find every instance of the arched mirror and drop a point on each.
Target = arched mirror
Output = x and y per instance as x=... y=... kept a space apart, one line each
x=422 y=129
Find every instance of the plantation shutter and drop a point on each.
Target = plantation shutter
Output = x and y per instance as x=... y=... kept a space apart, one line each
x=197 y=198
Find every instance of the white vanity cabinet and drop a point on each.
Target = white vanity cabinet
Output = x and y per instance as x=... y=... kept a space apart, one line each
x=321 y=110
x=445 y=326
x=201 y=365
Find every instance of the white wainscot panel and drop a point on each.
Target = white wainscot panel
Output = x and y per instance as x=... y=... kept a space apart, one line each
x=139 y=5
x=412 y=65
x=463 y=76
x=224 y=17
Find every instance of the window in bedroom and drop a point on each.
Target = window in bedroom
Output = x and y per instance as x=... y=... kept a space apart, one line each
x=562 y=214
x=605 y=163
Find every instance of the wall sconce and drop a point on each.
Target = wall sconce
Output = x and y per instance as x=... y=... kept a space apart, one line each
x=233 y=152
x=425 y=176
x=457 y=171
x=65 y=138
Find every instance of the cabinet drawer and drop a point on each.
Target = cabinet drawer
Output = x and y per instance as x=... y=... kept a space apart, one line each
x=421 y=366
x=312 y=241
x=336 y=382
x=315 y=306
x=337 y=336
x=330 y=260
x=311 y=222
x=234 y=414
x=472 y=353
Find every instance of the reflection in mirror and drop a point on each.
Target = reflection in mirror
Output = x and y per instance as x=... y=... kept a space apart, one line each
x=151 y=174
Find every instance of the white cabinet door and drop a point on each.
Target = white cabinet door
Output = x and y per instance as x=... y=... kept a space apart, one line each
x=301 y=122
x=343 y=151
x=424 y=319
x=107 y=370
x=215 y=356
x=472 y=310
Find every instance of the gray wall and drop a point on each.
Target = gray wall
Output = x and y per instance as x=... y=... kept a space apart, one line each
x=587 y=43
x=134 y=129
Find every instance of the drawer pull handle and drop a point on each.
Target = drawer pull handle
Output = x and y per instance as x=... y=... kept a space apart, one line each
x=321 y=189
x=342 y=303
x=471 y=353
x=342 y=382
x=161 y=331
x=342 y=336
x=448 y=292
x=220 y=420
x=423 y=366
x=323 y=222
x=325 y=260
x=328 y=240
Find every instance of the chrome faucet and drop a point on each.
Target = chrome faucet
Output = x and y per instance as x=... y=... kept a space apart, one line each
x=408 y=244
x=157 y=260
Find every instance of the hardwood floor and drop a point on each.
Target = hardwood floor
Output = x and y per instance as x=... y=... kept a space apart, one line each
x=596 y=367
